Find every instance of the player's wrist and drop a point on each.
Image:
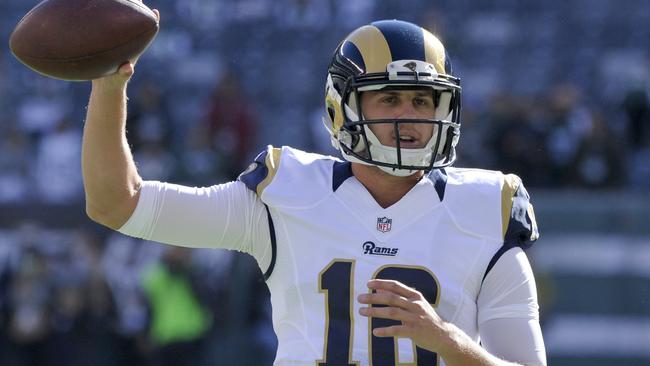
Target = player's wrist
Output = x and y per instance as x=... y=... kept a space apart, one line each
x=117 y=80
x=110 y=84
x=451 y=342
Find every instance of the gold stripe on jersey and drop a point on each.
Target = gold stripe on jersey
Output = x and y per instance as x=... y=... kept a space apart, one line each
x=511 y=183
x=373 y=47
x=272 y=163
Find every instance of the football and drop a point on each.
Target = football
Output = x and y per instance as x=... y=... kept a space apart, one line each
x=82 y=39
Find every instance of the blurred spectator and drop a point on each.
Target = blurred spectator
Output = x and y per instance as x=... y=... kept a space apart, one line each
x=155 y=161
x=15 y=164
x=123 y=261
x=84 y=315
x=599 y=159
x=201 y=162
x=518 y=146
x=41 y=112
x=151 y=134
x=148 y=118
x=639 y=169
x=29 y=295
x=569 y=121
x=229 y=128
x=5 y=283
x=57 y=172
x=248 y=308
x=179 y=320
x=636 y=106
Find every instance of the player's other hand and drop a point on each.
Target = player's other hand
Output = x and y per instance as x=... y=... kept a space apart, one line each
x=419 y=321
x=124 y=72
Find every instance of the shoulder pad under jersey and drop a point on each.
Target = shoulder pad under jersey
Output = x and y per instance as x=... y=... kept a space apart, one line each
x=290 y=177
x=491 y=204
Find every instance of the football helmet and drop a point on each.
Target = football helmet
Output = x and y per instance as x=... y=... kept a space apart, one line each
x=384 y=55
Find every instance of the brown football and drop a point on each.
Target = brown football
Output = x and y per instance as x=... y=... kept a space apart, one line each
x=82 y=39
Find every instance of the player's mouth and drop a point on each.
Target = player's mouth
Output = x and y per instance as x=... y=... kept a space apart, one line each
x=408 y=141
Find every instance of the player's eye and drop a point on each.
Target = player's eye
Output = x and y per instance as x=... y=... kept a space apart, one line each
x=389 y=99
x=423 y=102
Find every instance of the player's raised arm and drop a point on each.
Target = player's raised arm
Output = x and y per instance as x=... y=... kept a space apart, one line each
x=111 y=180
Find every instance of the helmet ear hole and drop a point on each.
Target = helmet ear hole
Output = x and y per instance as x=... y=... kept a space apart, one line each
x=449 y=142
x=359 y=144
x=330 y=112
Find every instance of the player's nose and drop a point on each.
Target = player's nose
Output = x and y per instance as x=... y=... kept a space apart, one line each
x=407 y=111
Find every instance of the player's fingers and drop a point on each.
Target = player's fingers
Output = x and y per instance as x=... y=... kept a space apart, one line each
x=126 y=69
x=395 y=287
x=386 y=312
x=155 y=11
x=392 y=331
x=385 y=298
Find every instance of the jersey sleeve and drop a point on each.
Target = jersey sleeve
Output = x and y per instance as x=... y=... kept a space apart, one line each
x=508 y=311
x=509 y=289
x=519 y=227
x=226 y=216
x=515 y=340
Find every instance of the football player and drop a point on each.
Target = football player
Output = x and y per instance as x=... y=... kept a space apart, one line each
x=386 y=257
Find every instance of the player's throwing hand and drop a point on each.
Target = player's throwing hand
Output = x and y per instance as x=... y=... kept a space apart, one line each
x=124 y=72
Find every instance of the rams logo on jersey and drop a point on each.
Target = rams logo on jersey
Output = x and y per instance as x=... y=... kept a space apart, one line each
x=372 y=249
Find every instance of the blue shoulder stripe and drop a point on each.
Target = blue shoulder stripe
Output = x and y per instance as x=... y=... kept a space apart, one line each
x=256 y=172
x=440 y=182
x=341 y=171
x=261 y=172
x=522 y=227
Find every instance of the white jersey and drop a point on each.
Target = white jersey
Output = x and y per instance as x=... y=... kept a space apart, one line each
x=324 y=236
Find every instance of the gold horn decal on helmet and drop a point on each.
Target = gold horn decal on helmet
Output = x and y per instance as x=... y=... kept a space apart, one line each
x=373 y=47
x=434 y=51
x=337 y=122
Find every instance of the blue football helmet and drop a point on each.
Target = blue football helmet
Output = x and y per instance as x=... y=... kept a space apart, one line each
x=391 y=54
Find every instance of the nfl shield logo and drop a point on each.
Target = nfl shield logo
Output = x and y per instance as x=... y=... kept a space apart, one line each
x=384 y=224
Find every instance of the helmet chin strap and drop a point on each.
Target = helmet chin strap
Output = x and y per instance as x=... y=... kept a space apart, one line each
x=388 y=154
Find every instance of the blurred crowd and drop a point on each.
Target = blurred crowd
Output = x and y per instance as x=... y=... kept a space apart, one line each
x=72 y=297
x=556 y=93
x=224 y=78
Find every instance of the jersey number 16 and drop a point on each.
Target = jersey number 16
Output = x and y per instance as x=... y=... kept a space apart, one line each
x=336 y=281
